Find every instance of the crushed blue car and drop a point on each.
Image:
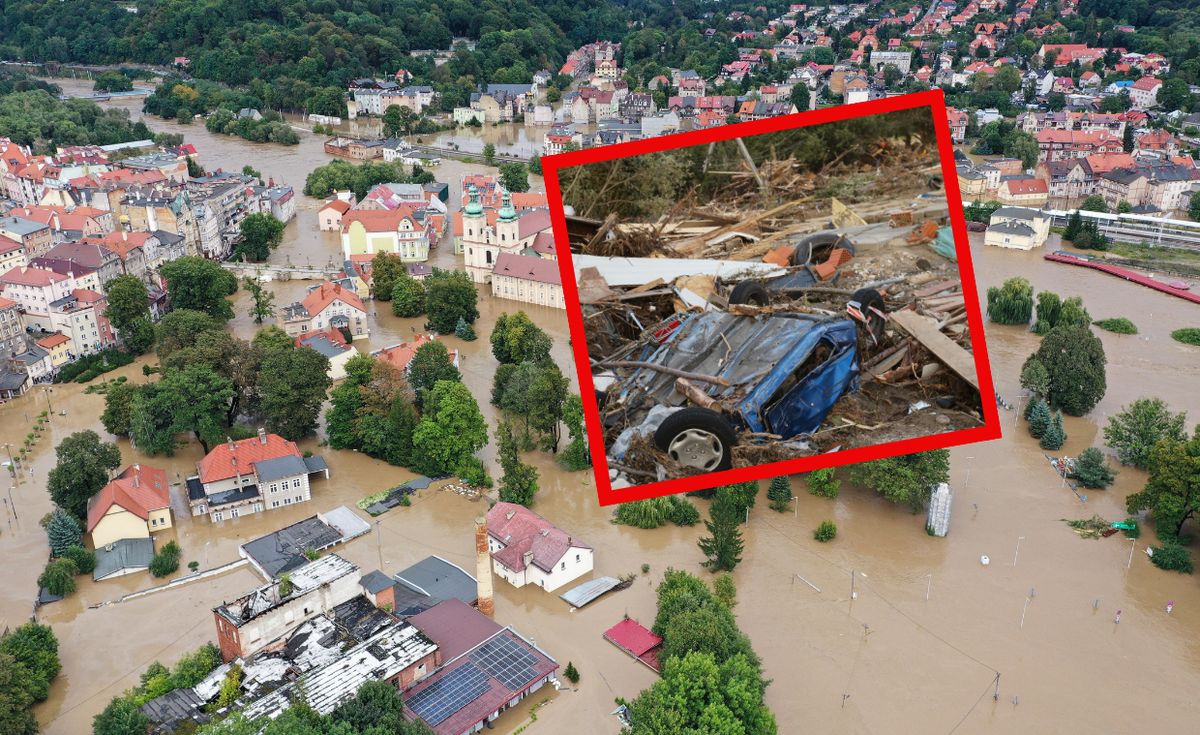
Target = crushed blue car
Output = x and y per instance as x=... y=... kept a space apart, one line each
x=769 y=375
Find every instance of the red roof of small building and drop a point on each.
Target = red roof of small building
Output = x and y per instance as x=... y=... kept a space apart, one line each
x=1147 y=84
x=231 y=458
x=53 y=340
x=1026 y=186
x=139 y=490
x=7 y=245
x=399 y=356
x=379 y=220
x=340 y=205
x=26 y=276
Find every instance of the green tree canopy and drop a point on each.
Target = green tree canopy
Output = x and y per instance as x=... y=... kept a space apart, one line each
x=431 y=363
x=1135 y=430
x=908 y=479
x=1074 y=358
x=83 y=467
x=1172 y=494
x=292 y=385
x=261 y=233
x=129 y=312
x=515 y=339
x=200 y=284
x=449 y=296
x=451 y=429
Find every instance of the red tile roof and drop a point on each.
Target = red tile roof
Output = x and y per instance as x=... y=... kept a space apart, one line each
x=228 y=459
x=322 y=296
x=340 y=205
x=379 y=220
x=1026 y=186
x=139 y=490
x=527 y=267
x=522 y=530
x=7 y=244
x=26 y=276
x=53 y=340
x=1147 y=84
x=632 y=636
x=399 y=356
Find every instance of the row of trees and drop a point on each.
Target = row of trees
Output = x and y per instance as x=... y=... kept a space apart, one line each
x=270 y=128
x=711 y=677
x=322 y=181
x=28 y=663
x=39 y=119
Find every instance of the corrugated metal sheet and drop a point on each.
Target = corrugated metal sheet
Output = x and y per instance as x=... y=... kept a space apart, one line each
x=588 y=591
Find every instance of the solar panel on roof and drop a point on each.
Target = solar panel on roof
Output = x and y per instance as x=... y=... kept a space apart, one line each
x=506 y=661
x=448 y=694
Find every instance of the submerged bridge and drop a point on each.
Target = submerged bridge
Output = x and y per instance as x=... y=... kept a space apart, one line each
x=286 y=272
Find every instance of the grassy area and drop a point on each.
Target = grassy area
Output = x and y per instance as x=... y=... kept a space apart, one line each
x=1187 y=335
x=1119 y=325
x=1158 y=254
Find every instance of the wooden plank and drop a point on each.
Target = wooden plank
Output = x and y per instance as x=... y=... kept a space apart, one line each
x=944 y=348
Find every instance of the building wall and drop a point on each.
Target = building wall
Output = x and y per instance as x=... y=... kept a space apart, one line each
x=527 y=291
x=574 y=563
x=357 y=317
x=159 y=519
x=117 y=524
x=286 y=491
x=256 y=633
x=12 y=331
x=1005 y=240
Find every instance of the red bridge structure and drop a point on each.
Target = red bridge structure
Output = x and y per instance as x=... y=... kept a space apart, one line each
x=1180 y=290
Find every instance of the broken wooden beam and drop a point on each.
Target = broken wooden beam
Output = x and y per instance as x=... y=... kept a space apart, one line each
x=945 y=349
x=666 y=370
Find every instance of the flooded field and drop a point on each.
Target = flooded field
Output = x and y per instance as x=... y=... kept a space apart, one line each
x=916 y=652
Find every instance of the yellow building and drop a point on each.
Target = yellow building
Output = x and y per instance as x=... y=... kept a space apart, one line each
x=134 y=505
x=59 y=347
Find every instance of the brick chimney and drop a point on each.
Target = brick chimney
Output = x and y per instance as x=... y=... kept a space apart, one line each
x=483 y=568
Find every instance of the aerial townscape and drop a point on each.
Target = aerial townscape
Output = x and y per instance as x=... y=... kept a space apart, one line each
x=294 y=440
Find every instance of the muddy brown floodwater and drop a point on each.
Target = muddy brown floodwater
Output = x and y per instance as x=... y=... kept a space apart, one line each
x=889 y=661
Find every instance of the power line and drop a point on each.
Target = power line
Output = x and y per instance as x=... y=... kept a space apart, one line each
x=968 y=712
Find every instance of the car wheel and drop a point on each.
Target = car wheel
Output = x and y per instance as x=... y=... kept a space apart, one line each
x=868 y=299
x=749 y=292
x=815 y=249
x=698 y=438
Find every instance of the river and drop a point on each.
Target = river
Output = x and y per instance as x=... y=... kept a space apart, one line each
x=889 y=661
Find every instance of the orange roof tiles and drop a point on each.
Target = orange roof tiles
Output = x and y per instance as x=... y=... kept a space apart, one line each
x=322 y=296
x=139 y=490
x=231 y=458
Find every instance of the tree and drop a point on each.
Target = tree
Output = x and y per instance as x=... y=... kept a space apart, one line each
x=449 y=296
x=377 y=708
x=201 y=285
x=1007 y=79
x=431 y=363
x=801 y=97
x=1054 y=436
x=1173 y=557
x=575 y=456
x=450 y=431
x=64 y=532
x=82 y=469
x=779 y=492
x=261 y=233
x=518 y=484
x=1124 y=207
x=1039 y=418
x=516 y=339
x=58 y=578
x=1174 y=95
x=84 y=560
x=121 y=717
x=489 y=154
x=514 y=176
x=1127 y=140
x=1194 y=207
x=231 y=686
x=1074 y=225
x=1034 y=377
x=1048 y=306
x=826 y=531
x=182 y=328
x=535 y=165
x=698 y=694
x=1074 y=358
x=571 y=673
x=15 y=699
x=408 y=296
x=1135 y=430
x=34 y=652
x=1024 y=146
x=191 y=399
x=264 y=300
x=464 y=331
x=907 y=479
x=723 y=546
x=1172 y=494
x=398 y=120
x=1012 y=303
x=725 y=590
x=166 y=561
x=386 y=271
x=1091 y=470
x=823 y=483
x=118 y=407
x=292 y=385
x=1094 y=203
x=129 y=312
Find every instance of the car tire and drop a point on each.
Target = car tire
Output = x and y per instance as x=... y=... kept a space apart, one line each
x=819 y=245
x=868 y=298
x=750 y=292
x=697 y=437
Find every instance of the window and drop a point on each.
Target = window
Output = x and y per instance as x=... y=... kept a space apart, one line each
x=562 y=566
x=296 y=482
x=299 y=499
x=217 y=516
x=577 y=557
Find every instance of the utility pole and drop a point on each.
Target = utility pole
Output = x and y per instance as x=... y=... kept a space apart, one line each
x=1018 y=551
x=379 y=542
x=996 y=692
x=1132 y=546
x=12 y=504
x=929 y=588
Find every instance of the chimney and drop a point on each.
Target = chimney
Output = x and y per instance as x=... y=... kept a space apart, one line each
x=483 y=568
x=232 y=446
x=262 y=435
x=527 y=558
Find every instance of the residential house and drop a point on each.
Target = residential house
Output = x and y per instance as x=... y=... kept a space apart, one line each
x=528 y=549
x=86 y=255
x=34 y=290
x=134 y=504
x=35 y=362
x=12 y=329
x=958 y=124
x=857 y=89
x=251 y=475
x=1123 y=185
x=1144 y=93
x=329 y=217
x=59 y=347
x=35 y=237
x=400 y=356
x=12 y=253
x=1025 y=191
x=1021 y=228
x=1066 y=181
x=403 y=231
x=1058 y=145
x=332 y=344
x=327 y=305
x=80 y=316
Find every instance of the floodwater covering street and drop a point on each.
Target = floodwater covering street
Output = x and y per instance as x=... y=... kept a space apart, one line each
x=916 y=650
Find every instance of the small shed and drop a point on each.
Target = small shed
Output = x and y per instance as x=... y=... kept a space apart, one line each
x=635 y=639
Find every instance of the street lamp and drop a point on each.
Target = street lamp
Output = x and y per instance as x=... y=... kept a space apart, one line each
x=48 y=390
x=1018 y=551
x=1132 y=546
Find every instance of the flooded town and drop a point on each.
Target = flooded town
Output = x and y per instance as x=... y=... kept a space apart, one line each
x=1038 y=602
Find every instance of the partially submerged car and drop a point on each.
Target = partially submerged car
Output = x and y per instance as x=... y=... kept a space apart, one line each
x=727 y=376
